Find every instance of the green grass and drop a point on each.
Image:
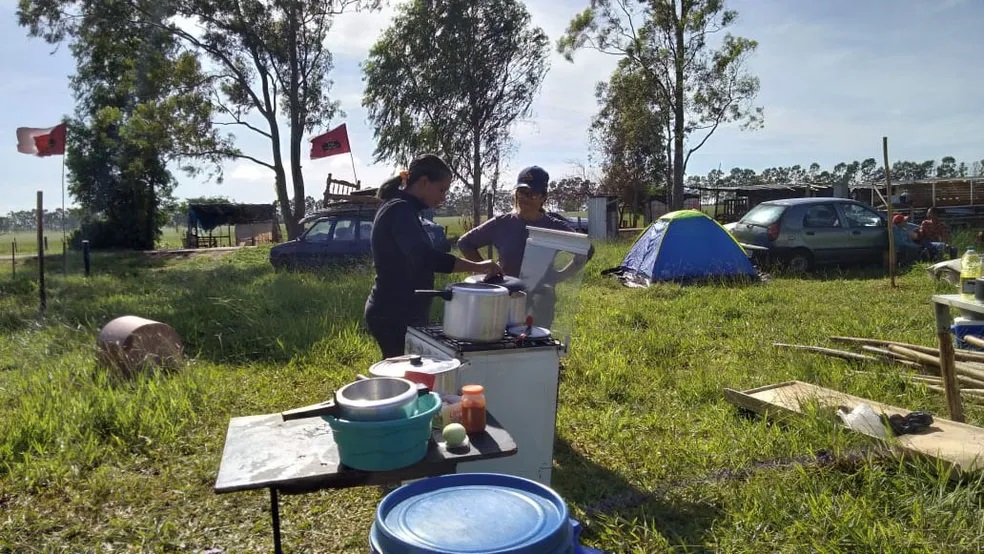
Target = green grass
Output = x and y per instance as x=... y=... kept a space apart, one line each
x=88 y=464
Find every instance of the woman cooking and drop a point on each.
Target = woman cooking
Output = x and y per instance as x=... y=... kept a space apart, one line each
x=508 y=234
x=403 y=255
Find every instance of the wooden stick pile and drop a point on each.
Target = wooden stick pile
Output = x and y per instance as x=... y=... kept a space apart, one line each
x=969 y=365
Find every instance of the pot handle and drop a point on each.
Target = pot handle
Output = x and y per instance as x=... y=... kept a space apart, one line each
x=445 y=294
x=314 y=410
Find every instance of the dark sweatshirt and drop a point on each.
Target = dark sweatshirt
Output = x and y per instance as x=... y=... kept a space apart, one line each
x=405 y=259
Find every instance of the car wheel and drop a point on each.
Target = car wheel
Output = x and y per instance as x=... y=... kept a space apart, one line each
x=280 y=265
x=800 y=261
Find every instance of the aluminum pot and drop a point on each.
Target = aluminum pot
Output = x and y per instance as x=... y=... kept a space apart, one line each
x=473 y=312
x=446 y=373
x=376 y=399
x=518 y=299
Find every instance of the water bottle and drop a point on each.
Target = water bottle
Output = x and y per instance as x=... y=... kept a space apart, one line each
x=970 y=270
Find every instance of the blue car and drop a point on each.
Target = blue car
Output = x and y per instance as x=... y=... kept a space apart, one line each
x=338 y=237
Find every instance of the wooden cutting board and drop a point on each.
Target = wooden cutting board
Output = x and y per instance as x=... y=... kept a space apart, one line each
x=958 y=444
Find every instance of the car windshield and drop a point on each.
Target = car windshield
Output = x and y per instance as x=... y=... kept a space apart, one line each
x=763 y=214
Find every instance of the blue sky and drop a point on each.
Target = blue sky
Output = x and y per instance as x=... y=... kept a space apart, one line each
x=836 y=76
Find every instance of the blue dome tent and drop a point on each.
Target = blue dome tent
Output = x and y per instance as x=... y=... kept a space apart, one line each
x=685 y=245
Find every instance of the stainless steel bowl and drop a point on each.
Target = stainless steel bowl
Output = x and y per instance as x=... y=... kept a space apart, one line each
x=377 y=399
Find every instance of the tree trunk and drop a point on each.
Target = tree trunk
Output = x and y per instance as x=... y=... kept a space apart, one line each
x=678 y=111
x=280 y=183
x=296 y=120
x=476 y=172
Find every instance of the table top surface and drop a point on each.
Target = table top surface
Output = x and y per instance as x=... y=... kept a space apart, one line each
x=958 y=301
x=297 y=456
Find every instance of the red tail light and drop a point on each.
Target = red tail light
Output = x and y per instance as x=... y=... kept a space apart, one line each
x=772 y=233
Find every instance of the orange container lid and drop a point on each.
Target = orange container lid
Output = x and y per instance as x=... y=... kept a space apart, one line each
x=472 y=389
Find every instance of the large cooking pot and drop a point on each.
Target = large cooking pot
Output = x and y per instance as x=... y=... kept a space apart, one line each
x=518 y=299
x=375 y=399
x=445 y=373
x=473 y=312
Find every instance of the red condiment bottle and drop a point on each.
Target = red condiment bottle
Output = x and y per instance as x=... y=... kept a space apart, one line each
x=473 y=408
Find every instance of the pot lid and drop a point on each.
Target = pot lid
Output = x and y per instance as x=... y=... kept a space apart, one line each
x=534 y=333
x=513 y=284
x=473 y=513
x=398 y=366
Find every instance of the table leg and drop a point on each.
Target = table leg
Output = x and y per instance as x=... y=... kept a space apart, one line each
x=951 y=390
x=275 y=514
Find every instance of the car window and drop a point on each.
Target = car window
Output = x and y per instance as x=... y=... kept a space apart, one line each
x=821 y=215
x=320 y=231
x=763 y=214
x=344 y=230
x=365 y=230
x=860 y=216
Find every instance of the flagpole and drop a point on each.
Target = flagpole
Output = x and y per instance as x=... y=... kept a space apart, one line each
x=354 y=174
x=64 y=236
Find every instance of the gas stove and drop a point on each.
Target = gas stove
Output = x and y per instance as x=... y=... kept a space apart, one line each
x=507 y=342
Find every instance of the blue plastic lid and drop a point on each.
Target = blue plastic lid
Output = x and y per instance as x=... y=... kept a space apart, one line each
x=473 y=512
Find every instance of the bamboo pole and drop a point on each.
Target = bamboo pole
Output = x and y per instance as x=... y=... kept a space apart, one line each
x=959 y=354
x=959 y=367
x=827 y=351
x=975 y=397
x=969 y=339
x=890 y=356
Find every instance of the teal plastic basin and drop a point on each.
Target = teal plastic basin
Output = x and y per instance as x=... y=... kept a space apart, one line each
x=386 y=445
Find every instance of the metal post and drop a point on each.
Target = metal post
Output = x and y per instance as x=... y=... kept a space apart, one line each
x=85 y=256
x=275 y=515
x=41 y=292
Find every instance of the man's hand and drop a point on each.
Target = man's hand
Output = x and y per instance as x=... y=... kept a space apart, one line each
x=487 y=267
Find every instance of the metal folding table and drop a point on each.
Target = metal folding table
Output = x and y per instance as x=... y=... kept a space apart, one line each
x=300 y=456
x=942 y=303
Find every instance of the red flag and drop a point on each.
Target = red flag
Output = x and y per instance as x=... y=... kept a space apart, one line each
x=333 y=142
x=42 y=142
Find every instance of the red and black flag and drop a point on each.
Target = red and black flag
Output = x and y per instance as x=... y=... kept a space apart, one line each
x=333 y=142
x=42 y=142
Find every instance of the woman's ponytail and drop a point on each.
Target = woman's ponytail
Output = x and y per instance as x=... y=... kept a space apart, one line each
x=390 y=188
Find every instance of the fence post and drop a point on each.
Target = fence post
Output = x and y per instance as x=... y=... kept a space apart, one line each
x=41 y=292
x=13 y=259
x=85 y=256
x=46 y=243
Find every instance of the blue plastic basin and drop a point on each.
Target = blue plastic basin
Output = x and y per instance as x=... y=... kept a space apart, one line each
x=386 y=445
x=470 y=513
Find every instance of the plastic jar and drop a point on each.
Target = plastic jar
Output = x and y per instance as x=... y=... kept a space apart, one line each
x=473 y=408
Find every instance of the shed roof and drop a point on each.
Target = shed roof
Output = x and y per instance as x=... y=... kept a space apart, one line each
x=210 y=216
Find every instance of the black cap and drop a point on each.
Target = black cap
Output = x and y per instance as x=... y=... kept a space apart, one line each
x=534 y=177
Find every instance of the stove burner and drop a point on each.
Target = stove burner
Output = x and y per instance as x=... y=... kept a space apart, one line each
x=506 y=343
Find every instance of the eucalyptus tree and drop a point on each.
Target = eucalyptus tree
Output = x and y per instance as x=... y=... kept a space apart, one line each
x=699 y=85
x=142 y=105
x=454 y=77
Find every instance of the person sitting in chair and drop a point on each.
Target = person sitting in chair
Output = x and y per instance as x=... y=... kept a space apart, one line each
x=934 y=235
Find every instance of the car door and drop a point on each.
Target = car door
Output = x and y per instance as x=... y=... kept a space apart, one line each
x=315 y=243
x=363 y=239
x=825 y=234
x=869 y=233
x=343 y=239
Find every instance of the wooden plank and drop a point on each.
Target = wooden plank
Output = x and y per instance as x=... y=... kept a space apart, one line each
x=958 y=444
